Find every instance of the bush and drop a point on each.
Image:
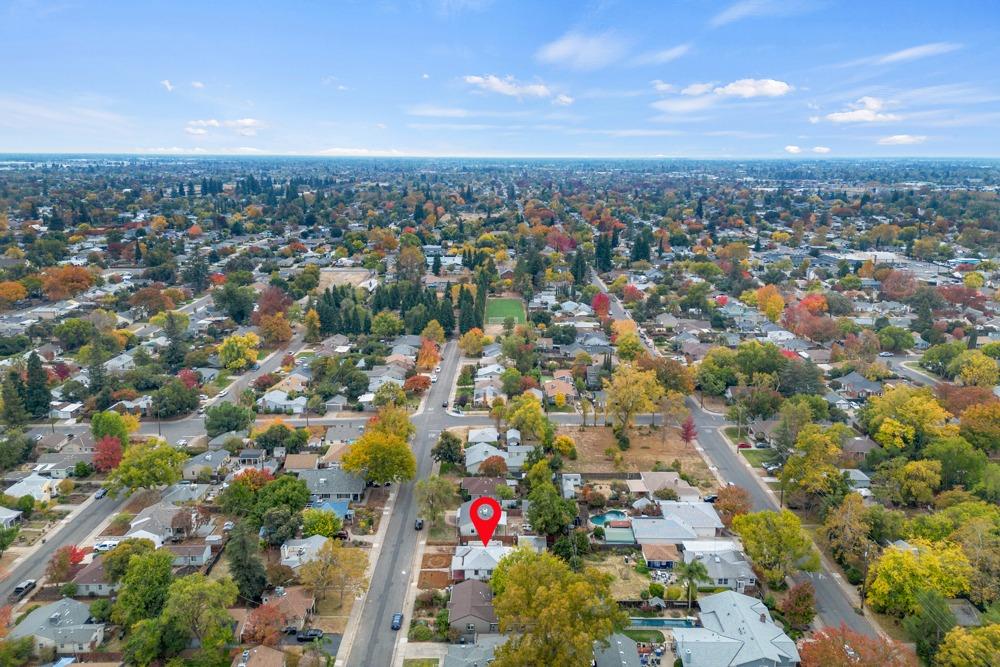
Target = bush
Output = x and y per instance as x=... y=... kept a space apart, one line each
x=420 y=633
x=68 y=589
x=674 y=592
x=656 y=590
x=100 y=610
x=854 y=575
x=598 y=532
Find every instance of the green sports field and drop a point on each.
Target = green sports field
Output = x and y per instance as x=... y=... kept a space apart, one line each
x=498 y=310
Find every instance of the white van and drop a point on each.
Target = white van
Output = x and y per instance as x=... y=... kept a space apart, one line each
x=106 y=545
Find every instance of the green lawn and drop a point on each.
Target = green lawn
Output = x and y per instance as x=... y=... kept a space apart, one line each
x=736 y=434
x=756 y=456
x=421 y=662
x=647 y=636
x=504 y=308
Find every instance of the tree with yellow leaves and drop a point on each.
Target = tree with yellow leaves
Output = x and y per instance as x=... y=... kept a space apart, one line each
x=275 y=329
x=913 y=407
x=239 y=351
x=770 y=302
x=312 y=326
x=965 y=647
x=895 y=578
x=631 y=392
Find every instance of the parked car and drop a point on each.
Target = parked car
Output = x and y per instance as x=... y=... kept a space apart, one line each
x=885 y=354
x=744 y=445
x=445 y=404
x=437 y=370
x=227 y=526
x=309 y=635
x=710 y=498
x=101 y=492
x=182 y=442
x=397 y=621
x=418 y=524
x=25 y=587
x=222 y=394
x=771 y=467
x=341 y=535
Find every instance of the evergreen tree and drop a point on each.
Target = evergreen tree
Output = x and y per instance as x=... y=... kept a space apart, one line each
x=173 y=355
x=446 y=315
x=579 y=268
x=196 y=272
x=436 y=266
x=37 y=395
x=97 y=377
x=603 y=253
x=13 y=403
x=245 y=564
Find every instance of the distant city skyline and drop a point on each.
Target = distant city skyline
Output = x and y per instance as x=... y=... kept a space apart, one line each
x=474 y=78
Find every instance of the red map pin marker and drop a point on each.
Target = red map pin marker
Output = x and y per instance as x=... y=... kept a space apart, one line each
x=485 y=517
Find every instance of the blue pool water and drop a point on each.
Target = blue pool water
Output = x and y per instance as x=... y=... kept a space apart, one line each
x=613 y=515
x=662 y=622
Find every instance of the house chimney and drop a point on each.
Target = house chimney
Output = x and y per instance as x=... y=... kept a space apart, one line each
x=763 y=617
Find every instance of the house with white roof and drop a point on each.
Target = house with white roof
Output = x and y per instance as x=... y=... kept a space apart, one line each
x=724 y=561
x=477 y=561
x=700 y=516
x=296 y=553
x=737 y=631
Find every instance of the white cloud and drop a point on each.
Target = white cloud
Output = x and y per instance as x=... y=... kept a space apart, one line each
x=685 y=105
x=662 y=57
x=380 y=126
x=697 y=89
x=747 y=88
x=902 y=140
x=197 y=84
x=917 y=52
x=794 y=150
x=563 y=100
x=822 y=150
x=425 y=76
x=508 y=86
x=173 y=150
x=750 y=8
x=436 y=111
x=628 y=132
x=245 y=126
x=663 y=86
x=866 y=110
x=166 y=84
x=342 y=151
x=583 y=52
x=814 y=119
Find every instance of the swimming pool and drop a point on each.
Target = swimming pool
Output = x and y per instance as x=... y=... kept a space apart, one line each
x=612 y=515
x=662 y=622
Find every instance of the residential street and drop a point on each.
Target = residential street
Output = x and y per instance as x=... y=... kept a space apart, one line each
x=74 y=532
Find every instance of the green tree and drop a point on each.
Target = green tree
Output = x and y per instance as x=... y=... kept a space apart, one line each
x=896 y=577
x=236 y=301
x=690 y=575
x=116 y=561
x=245 y=564
x=552 y=614
x=146 y=465
x=280 y=524
x=386 y=324
x=447 y=449
x=929 y=625
x=286 y=491
x=36 y=392
x=776 y=543
x=200 y=606
x=549 y=512
x=389 y=393
x=320 y=522
x=144 y=587
x=961 y=463
x=110 y=423
x=224 y=417
x=336 y=569
x=434 y=495
x=524 y=413
x=380 y=458
x=12 y=392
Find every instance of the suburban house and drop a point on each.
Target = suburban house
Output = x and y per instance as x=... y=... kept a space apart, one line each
x=651 y=482
x=487 y=435
x=858 y=448
x=470 y=609
x=40 y=488
x=621 y=651
x=554 y=388
x=725 y=562
x=260 y=656
x=701 y=517
x=477 y=487
x=298 y=462
x=476 y=454
x=64 y=410
x=661 y=531
x=207 y=463
x=467 y=529
x=190 y=555
x=660 y=556
x=296 y=553
x=856 y=385
x=163 y=522
x=333 y=483
x=295 y=603
x=92 y=581
x=277 y=400
x=63 y=625
x=9 y=518
x=477 y=562
x=252 y=458
x=737 y=631
x=60 y=465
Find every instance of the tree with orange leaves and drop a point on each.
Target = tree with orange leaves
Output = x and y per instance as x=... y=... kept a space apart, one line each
x=264 y=625
x=11 y=291
x=275 y=329
x=428 y=355
x=842 y=647
x=770 y=302
x=814 y=303
x=62 y=282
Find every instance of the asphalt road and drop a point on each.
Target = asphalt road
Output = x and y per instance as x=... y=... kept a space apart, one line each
x=74 y=532
x=375 y=641
x=832 y=604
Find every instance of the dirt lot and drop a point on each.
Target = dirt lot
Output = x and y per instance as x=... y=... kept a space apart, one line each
x=437 y=561
x=648 y=447
x=433 y=579
x=333 y=277
x=627 y=582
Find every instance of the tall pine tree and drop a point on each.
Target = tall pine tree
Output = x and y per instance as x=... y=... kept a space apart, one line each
x=13 y=403
x=36 y=393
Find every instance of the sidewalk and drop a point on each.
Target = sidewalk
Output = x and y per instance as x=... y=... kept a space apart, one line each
x=347 y=641
x=30 y=551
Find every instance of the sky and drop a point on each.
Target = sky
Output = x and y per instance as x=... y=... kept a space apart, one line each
x=682 y=78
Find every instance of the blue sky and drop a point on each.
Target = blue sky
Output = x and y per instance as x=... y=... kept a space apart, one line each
x=689 y=78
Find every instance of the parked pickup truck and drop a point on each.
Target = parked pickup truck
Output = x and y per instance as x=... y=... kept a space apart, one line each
x=21 y=590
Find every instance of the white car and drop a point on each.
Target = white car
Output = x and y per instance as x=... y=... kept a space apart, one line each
x=437 y=370
x=182 y=442
x=434 y=378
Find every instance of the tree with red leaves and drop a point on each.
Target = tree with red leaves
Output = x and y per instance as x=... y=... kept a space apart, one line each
x=6 y=613
x=188 y=378
x=62 y=563
x=494 y=466
x=107 y=453
x=732 y=501
x=417 y=384
x=688 y=430
x=255 y=479
x=799 y=605
x=899 y=284
x=264 y=625
x=842 y=647
x=272 y=300
x=632 y=294
x=601 y=303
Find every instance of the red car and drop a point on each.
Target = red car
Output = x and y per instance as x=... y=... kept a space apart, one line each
x=744 y=445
